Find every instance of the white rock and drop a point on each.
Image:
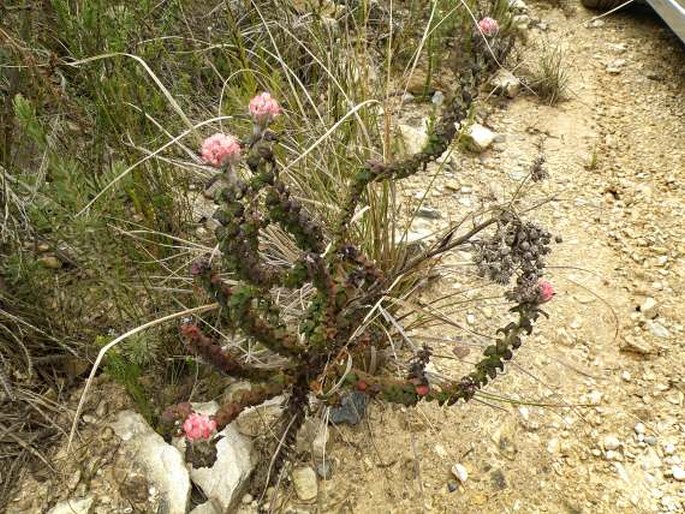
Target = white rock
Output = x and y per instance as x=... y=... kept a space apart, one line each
x=460 y=472
x=506 y=83
x=520 y=21
x=669 y=449
x=553 y=445
x=658 y=330
x=438 y=98
x=76 y=506
x=415 y=138
x=640 y=428
x=649 y=308
x=305 y=483
x=678 y=473
x=440 y=451
x=164 y=464
x=479 y=138
x=611 y=442
x=594 y=397
x=613 y=455
x=649 y=460
x=224 y=480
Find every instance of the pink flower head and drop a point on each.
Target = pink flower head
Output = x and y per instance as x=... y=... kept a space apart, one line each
x=220 y=149
x=545 y=291
x=198 y=426
x=488 y=26
x=263 y=109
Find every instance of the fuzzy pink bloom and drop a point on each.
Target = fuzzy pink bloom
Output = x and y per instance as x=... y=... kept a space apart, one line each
x=545 y=291
x=263 y=109
x=198 y=426
x=488 y=26
x=220 y=149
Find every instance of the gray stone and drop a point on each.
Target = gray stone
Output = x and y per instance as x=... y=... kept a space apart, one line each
x=305 y=483
x=163 y=464
x=429 y=213
x=478 y=138
x=506 y=83
x=351 y=410
x=438 y=98
x=74 y=506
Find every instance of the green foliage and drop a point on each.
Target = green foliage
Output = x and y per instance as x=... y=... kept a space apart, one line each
x=126 y=365
x=549 y=78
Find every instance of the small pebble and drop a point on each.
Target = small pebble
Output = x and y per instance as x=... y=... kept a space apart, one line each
x=460 y=472
x=452 y=486
x=614 y=456
x=678 y=473
x=650 y=440
x=640 y=428
x=611 y=442
x=669 y=449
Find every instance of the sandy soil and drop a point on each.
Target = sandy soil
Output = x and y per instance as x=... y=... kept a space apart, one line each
x=607 y=375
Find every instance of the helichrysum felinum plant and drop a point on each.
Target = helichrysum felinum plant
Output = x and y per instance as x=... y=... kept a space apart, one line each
x=323 y=352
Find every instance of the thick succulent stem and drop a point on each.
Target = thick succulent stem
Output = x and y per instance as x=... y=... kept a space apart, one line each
x=411 y=391
x=211 y=352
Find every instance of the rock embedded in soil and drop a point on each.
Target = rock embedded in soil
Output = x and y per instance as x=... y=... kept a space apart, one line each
x=163 y=464
x=678 y=473
x=305 y=483
x=460 y=472
x=658 y=330
x=505 y=82
x=225 y=480
x=649 y=308
x=73 y=506
x=415 y=138
x=351 y=409
x=611 y=442
x=635 y=344
x=429 y=213
x=479 y=138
